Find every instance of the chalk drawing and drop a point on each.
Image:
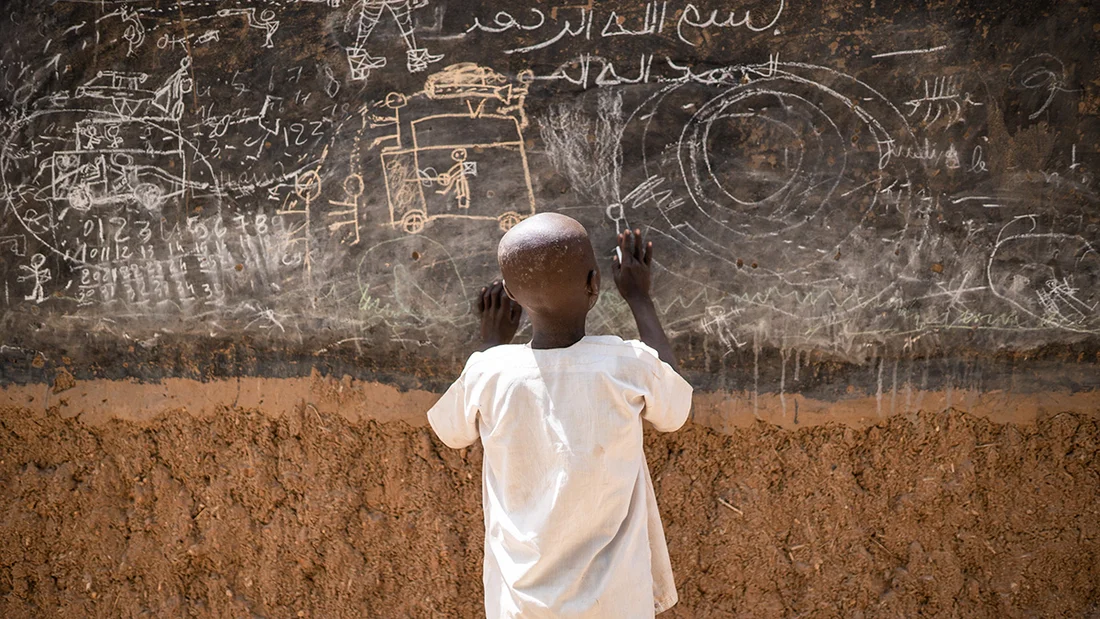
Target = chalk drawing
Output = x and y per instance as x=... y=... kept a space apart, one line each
x=36 y=273
x=264 y=21
x=1043 y=74
x=942 y=98
x=839 y=204
x=307 y=188
x=690 y=23
x=428 y=154
x=1049 y=276
x=366 y=14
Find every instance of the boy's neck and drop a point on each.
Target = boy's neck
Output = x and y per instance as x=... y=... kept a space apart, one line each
x=556 y=334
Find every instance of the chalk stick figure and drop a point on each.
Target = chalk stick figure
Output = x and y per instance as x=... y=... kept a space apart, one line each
x=37 y=272
x=265 y=21
x=370 y=13
x=454 y=179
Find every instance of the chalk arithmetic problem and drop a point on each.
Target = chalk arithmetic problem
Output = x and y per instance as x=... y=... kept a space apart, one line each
x=273 y=167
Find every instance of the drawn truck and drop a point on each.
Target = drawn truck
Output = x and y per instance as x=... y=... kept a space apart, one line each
x=456 y=151
x=125 y=154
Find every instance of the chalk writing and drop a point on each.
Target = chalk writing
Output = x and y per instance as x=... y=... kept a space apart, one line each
x=654 y=18
x=268 y=167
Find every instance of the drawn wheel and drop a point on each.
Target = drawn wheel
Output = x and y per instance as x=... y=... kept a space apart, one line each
x=149 y=195
x=508 y=220
x=79 y=198
x=67 y=162
x=413 y=221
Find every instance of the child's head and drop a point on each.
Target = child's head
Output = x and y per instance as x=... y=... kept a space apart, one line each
x=549 y=267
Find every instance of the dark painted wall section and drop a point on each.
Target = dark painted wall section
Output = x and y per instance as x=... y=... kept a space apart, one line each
x=213 y=189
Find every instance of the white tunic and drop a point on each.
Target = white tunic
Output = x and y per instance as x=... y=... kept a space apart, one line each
x=571 y=521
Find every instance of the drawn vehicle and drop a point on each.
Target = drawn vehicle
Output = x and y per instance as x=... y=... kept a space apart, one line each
x=127 y=95
x=128 y=156
x=86 y=179
x=451 y=146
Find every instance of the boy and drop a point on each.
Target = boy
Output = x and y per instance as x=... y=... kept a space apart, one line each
x=571 y=522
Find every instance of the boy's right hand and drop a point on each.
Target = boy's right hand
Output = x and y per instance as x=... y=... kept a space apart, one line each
x=631 y=269
x=499 y=316
x=630 y=265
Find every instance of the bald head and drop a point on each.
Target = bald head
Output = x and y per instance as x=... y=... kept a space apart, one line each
x=549 y=266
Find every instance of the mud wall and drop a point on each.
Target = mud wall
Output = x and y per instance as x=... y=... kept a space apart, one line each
x=311 y=515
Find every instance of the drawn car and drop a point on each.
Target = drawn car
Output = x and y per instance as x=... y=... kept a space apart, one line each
x=87 y=179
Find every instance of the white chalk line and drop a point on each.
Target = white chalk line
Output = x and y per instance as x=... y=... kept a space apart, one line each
x=910 y=52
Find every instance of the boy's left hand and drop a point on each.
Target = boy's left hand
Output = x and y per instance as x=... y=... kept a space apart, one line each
x=499 y=316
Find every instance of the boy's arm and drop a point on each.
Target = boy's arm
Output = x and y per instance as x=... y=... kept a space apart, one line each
x=499 y=316
x=631 y=268
x=452 y=419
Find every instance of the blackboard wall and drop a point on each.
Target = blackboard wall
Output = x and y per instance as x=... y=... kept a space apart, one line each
x=841 y=193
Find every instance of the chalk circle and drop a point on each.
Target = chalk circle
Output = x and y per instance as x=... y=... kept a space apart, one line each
x=149 y=196
x=764 y=154
x=308 y=186
x=752 y=157
x=1051 y=278
x=413 y=221
x=508 y=220
x=353 y=186
x=784 y=162
x=66 y=162
x=426 y=292
x=79 y=198
x=122 y=160
x=396 y=100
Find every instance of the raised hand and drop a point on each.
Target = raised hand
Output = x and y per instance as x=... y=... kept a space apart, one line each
x=499 y=315
x=631 y=268
x=630 y=265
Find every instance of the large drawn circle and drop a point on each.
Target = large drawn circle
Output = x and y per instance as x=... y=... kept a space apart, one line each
x=742 y=160
x=819 y=160
x=412 y=280
x=782 y=165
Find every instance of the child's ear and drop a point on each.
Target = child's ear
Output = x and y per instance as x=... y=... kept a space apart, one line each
x=593 y=284
x=506 y=291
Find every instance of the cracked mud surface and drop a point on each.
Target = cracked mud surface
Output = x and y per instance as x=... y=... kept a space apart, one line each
x=243 y=514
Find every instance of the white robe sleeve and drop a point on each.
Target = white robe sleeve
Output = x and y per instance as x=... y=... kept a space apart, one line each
x=454 y=416
x=668 y=397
